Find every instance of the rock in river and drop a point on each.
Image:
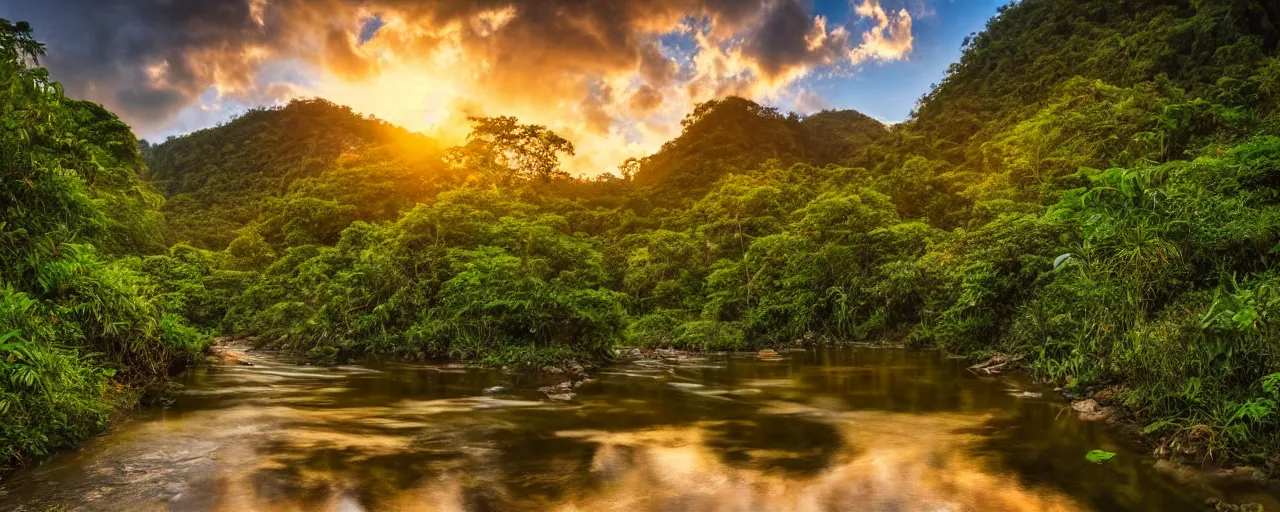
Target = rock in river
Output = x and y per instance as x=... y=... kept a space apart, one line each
x=1090 y=410
x=561 y=392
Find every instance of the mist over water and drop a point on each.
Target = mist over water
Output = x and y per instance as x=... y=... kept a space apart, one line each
x=853 y=429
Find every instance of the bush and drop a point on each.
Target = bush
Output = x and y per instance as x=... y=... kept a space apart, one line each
x=709 y=335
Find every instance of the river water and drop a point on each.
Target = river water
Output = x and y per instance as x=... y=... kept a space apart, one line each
x=853 y=429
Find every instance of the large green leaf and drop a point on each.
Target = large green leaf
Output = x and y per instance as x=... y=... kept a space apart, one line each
x=1099 y=456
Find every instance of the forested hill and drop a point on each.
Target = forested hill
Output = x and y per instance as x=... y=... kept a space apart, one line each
x=737 y=135
x=1092 y=190
x=1050 y=87
x=218 y=180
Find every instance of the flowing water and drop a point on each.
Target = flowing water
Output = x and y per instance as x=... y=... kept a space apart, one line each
x=854 y=429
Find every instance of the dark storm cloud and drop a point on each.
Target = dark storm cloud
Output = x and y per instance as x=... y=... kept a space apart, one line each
x=791 y=37
x=103 y=49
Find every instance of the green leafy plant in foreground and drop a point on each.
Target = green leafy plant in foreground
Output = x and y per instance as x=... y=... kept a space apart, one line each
x=1099 y=456
x=81 y=330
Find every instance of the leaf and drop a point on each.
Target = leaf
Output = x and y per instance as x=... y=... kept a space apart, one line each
x=1271 y=383
x=1246 y=318
x=1062 y=258
x=1099 y=456
x=1256 y=410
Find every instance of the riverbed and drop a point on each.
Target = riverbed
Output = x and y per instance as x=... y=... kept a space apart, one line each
x=848 y=429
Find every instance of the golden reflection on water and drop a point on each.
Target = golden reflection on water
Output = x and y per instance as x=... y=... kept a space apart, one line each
x=852 y=431
x=912 y=464
x=889 y=461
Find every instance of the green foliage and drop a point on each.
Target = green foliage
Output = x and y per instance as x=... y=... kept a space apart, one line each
x=310 y=158
x=503 y=151
x=50 y=396
x=467 y=276
x=77 y=325
x=734 y=135
x=1099 y=456
x=525 y=357
x=708 y=335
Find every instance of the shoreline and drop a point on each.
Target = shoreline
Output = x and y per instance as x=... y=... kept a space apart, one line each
x=1094 y=404
x=224 y=351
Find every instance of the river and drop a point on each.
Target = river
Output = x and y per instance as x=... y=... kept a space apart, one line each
x=851 y=429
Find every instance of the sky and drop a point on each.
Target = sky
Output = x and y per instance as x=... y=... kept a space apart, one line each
x=615 y=77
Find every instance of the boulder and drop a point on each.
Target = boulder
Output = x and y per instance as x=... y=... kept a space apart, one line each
x=1090 y=410
x=576 y=372
x=561 y=392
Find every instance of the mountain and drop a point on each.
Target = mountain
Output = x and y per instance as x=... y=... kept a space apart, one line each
x=837 y=136
x=219 y=180
x=737 y=135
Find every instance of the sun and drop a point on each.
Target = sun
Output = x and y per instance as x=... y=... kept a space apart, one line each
x=432 y=117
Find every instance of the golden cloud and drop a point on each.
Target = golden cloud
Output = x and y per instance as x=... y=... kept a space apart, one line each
x=891 y=37
x=596 y=72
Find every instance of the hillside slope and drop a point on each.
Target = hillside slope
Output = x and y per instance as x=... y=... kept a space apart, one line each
x=219 y=180
x=737 y=135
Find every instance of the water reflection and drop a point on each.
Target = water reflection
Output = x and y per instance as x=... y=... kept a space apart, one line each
x=864 y=429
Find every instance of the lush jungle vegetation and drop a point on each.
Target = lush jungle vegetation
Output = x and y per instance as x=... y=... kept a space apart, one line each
x=1093 y=190
x=82 y=330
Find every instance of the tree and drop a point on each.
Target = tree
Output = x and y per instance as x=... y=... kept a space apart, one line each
x=510 y=152
x=17 y=44
x=629 y=167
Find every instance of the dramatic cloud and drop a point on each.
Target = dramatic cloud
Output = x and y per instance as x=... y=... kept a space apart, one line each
x=890 y=39
x=613 y=76
x=790 y=42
